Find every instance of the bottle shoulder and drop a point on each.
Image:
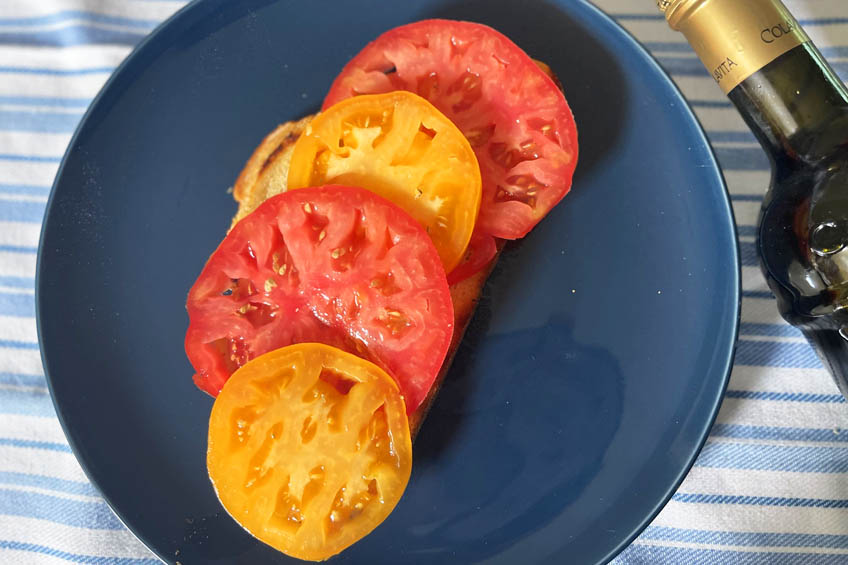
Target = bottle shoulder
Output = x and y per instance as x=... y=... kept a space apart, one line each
x=803 y=236
x=790 y=170
x=817 y=149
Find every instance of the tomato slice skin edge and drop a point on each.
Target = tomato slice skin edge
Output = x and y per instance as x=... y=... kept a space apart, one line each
x=481 y=251
x=390 y=304
x=528 y=162
x=309 y=449
x=398 y=145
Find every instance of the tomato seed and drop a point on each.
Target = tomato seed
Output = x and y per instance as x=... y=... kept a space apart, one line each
x=481 y=136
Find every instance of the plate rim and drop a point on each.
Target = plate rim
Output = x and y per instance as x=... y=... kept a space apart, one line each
x=737 y=280
x=714 y=169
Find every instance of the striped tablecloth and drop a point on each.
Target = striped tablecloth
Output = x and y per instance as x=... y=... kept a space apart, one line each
x=771 y=485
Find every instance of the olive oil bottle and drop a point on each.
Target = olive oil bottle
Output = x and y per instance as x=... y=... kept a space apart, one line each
x=797 y=108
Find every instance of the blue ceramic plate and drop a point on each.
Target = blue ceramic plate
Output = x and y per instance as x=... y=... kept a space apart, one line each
x=587 y=381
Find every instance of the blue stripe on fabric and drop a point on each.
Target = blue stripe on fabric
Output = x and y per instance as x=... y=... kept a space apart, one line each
x=746 y=230
x=748 y=254
x=742 y=158
x=754 y=539
x=683 y=66
x=695 y=498
x=24 y=189
x=771 y=330
x=12 y=211
x=75 y=557
x=89 y=515
x=31 y=444
x=776 y=354
x=779 y=433
x=726 y=136
x=17 y=282
x=22 y=379
x=49 y=483
x=17 y=305
x=692 y=66
x=40 y=122
x=765 y=294
x=18 y=248
x=638 y=554
x=78 y=34
x=26 y=404
x=784 y=396
x=747 y=197
x=61 y=102
x=672 y=46
x=710 y=103
x=31 y=158
x=18 y=344
x=66 y=15
x=60 y=72
x=801 y=459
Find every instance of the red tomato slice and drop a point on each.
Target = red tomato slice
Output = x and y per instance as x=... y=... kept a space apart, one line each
x=512 y=113
x=336 y=265
x=481 y=250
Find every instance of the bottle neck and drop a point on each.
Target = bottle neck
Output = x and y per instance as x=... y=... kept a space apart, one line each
x=796 y=106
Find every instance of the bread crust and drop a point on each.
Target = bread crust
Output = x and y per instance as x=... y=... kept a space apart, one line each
x=265 y=173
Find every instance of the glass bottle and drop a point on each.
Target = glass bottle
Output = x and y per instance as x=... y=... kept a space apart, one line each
x=797 y=108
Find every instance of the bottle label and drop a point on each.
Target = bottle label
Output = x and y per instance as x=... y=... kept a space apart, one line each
x=734 y=38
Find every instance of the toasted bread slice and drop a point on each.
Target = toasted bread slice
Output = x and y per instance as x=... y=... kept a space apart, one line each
x=266 y=171
x=265 y=175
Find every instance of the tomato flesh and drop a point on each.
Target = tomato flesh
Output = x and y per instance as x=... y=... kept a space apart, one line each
x=397 y=145
x=309 y=448
x=336 y=265
x=481 y=250
x=512 y=113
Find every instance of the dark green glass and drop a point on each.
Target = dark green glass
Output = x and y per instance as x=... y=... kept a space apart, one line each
x=798 y=109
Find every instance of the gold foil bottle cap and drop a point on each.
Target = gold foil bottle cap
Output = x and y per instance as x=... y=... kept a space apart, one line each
x=676 y=10
x=734 y=38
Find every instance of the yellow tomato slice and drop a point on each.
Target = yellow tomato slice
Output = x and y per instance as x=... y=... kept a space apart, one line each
x=309 y=448
x=401 y=147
